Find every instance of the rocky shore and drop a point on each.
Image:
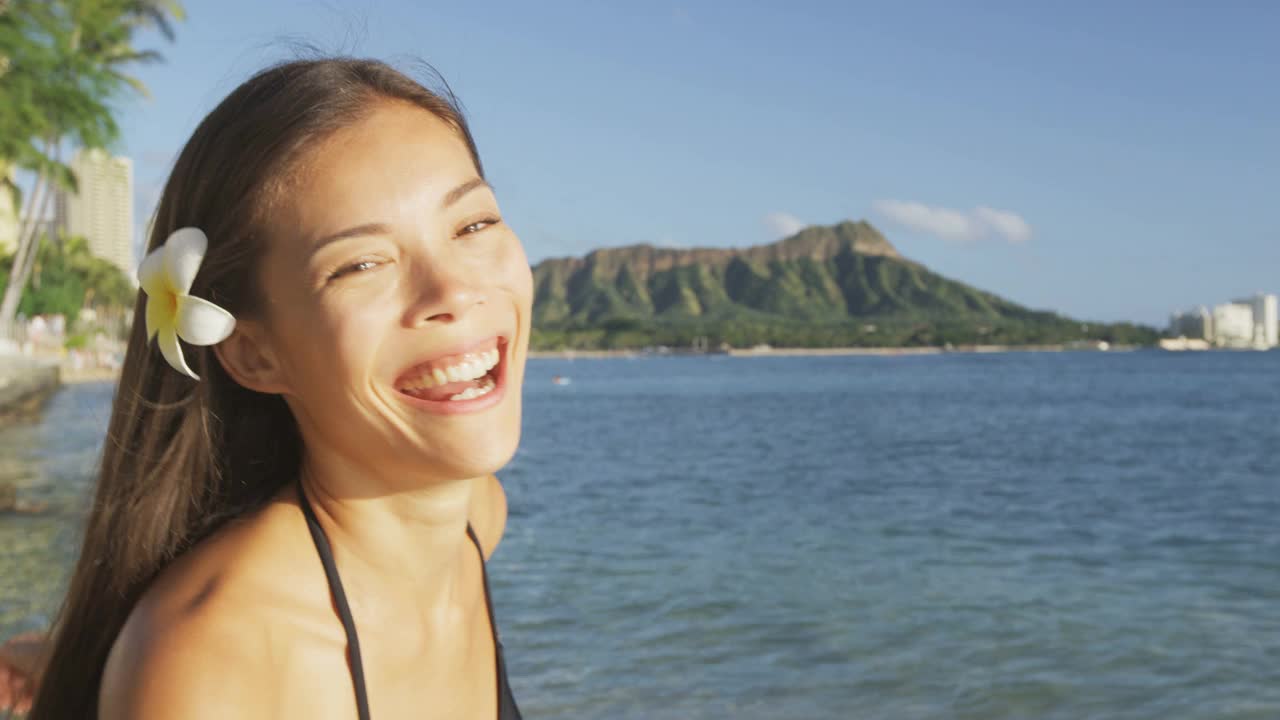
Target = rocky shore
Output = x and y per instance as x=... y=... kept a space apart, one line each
x=25 y=384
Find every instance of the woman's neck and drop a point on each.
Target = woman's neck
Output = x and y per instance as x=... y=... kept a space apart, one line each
x=397 y=539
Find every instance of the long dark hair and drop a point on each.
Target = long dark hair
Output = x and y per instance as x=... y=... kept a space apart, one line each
x=183 y=457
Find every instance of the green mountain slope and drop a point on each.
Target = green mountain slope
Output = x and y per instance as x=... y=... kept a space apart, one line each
x=838 y=285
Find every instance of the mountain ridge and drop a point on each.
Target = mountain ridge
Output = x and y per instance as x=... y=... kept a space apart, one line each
x=815 y=241
x=824 y=284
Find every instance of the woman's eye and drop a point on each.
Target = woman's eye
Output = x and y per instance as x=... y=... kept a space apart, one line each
x=477 y=226
x=353 y=268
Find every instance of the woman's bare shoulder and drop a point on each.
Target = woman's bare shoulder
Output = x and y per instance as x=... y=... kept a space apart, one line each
x=197 y=665
x=201 y=640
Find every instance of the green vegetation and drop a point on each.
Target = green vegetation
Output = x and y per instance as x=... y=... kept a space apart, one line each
x=66 y=278
x=61 y=73
x=839 y=286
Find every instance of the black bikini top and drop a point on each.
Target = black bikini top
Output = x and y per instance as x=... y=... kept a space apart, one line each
x=507 y=709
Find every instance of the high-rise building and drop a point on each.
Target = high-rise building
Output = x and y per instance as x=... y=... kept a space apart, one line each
x=1266 y=320
x=1196 y=324
x=1233 y=325
x=101 y=209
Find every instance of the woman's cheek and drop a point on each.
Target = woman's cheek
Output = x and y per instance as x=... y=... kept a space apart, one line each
x=358 y=325
x=526 y=289
x=518 y=272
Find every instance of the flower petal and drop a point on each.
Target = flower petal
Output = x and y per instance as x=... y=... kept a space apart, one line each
x=172 y=352
x=183 y=252
x=158 y=315
x=200 y=322
x=151 y=273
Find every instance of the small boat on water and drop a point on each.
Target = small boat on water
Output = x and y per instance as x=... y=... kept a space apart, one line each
x=559 y=380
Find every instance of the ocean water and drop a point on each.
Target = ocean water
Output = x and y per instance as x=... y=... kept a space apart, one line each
x=956 y=536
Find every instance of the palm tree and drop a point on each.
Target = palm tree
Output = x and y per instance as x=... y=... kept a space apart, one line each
x=61 y=62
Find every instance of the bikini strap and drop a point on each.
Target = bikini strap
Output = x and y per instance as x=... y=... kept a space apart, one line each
x=340 y=600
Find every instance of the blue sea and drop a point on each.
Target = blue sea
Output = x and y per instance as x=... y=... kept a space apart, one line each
x=1021 y=535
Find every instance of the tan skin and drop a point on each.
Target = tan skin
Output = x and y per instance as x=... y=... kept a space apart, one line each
x=243 y=625
x=19 y=657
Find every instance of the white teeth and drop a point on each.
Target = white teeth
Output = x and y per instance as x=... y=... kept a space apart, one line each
x=475 y=392
x=471 y=370
x=474 y=366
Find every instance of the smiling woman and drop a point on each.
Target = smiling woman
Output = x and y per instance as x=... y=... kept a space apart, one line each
x=302 y=531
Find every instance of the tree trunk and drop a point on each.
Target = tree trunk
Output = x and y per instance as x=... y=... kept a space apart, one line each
x=23 y=261
x=24 y=216
x=24 y=257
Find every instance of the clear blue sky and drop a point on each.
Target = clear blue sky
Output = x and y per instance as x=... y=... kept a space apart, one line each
x=1112 y=161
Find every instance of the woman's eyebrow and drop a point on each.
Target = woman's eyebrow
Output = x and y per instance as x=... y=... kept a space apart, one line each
x=366 y=229
x=450 y=198
x=456 y=194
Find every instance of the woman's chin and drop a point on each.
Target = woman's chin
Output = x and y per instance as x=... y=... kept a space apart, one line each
x=472 y=460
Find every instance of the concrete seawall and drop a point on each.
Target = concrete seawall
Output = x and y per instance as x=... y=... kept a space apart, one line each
x=25 y=384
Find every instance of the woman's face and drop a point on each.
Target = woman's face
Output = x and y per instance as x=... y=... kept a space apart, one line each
x=398 y=302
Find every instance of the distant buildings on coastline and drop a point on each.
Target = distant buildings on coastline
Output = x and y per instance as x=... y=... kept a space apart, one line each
x=1253 y=323
x=100 y=210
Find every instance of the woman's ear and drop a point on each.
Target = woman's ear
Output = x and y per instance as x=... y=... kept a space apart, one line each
x=247 y=357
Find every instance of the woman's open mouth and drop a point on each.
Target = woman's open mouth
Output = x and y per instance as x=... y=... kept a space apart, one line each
x=461 y=382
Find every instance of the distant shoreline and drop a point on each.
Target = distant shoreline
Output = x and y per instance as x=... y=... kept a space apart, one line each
x=71 y=376
x=816 y=352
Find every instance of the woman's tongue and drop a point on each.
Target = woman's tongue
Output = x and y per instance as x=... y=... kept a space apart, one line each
x=446 y=391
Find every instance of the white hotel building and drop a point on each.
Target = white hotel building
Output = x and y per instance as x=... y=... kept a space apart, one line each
x=101 y=209
x=1250 y=323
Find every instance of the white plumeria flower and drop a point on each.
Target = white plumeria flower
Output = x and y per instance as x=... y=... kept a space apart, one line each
x=166 y=276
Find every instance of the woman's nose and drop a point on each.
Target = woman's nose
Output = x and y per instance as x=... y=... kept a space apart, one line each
x=442 y=294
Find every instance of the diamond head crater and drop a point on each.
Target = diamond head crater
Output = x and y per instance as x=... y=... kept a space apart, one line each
x=838 y=286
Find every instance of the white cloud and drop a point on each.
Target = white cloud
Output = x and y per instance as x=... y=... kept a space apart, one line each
x=1004 y=222
x=956 y=225
x=782 y=225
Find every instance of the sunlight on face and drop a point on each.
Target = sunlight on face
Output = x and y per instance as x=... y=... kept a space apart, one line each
x=389 y=260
